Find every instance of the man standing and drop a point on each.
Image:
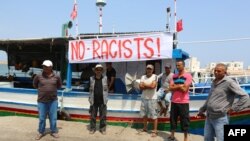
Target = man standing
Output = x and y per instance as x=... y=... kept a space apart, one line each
x=179 y=86
x=164 y=93
x=220 y=103
x=47 y=84
x=87 y=72
x=111 y=74
x=98 y=99
x=148 y=85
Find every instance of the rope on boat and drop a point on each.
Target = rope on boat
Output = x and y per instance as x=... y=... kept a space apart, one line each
x=211 y=41
x=62 y=113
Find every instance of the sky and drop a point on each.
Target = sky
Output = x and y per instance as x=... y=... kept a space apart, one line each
x=203 y=20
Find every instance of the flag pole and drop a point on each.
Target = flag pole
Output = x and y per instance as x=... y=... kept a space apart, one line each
x=76 y=24
x=175 y=16
x=69 y=69
x=175 y=31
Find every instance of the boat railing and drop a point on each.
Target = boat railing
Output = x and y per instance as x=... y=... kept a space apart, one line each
x=201 y=85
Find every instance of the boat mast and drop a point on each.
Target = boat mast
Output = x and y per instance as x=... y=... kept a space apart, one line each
x=100 y=4
x=175 y=31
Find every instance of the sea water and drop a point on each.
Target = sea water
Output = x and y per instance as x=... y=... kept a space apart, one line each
x=4 y=69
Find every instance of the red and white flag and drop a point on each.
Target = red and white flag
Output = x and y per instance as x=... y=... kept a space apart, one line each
x=179 y=26
x=73 y=14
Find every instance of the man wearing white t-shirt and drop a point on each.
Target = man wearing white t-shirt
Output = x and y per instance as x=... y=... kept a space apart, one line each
x=148 y=85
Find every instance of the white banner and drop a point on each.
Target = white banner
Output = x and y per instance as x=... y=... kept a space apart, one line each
x=150 y=46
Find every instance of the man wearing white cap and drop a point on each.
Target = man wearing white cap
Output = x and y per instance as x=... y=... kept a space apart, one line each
x=47 y=84
x=98 y=99
x=148 y=85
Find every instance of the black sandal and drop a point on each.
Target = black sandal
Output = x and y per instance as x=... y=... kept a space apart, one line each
x=143 y=130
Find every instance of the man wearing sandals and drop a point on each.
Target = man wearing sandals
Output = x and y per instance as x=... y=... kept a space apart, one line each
x=148 y=85
x=47 y=84
x=179 y=86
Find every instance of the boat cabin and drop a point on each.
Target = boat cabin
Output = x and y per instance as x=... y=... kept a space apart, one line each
x=24 y=58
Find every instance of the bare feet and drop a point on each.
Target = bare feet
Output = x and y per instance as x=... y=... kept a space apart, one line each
x=163 y=111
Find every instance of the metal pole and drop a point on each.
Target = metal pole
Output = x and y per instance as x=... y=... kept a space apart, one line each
x=100 y=19
x=77 y=28
x=174 y=15
x=69 y=76
x=168 y=19
x=175 y=31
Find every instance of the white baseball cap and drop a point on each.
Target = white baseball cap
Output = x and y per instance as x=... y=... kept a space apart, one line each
x=47 y=63
x=167 y=66
x=150 y=66
x=98 y=66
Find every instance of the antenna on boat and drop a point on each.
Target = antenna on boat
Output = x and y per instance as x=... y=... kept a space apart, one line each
x=100 y=4
x=113 y=29
x=168 y=19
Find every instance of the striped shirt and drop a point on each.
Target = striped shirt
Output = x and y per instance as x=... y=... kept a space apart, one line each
x=47 y=87
x=179 y=96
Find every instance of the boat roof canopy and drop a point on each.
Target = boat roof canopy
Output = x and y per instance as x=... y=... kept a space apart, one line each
x=180 y=54
x=32 y=44
x=22 y=52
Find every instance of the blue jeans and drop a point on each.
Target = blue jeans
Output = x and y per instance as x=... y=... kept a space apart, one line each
x=215 y=128
x=161 y=95
x=50 y=109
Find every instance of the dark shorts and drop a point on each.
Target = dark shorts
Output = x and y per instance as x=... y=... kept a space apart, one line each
x=181 y=111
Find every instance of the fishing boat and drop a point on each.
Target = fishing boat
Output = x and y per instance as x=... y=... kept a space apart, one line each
x=201 y=83
x=129 y=52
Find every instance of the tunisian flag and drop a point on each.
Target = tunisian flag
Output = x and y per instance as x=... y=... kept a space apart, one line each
x=73 y=14
x=179 y=26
